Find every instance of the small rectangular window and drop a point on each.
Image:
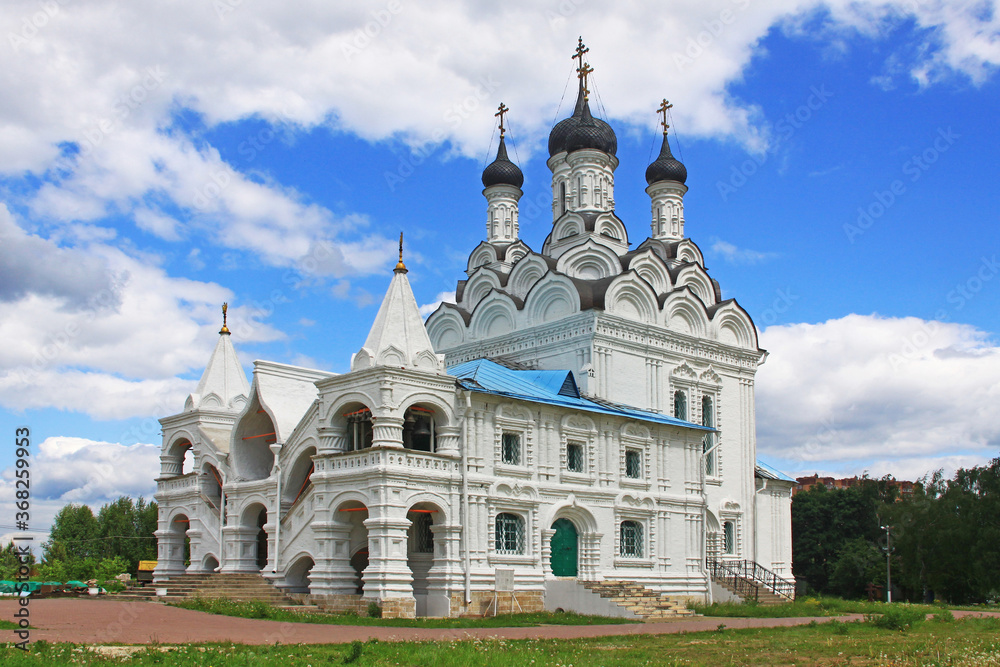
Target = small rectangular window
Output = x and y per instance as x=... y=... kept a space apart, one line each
x=728 y=537
x=633 y=463
x=511 y=448
x=574 y=457
x=631 y=539
x=509 y=534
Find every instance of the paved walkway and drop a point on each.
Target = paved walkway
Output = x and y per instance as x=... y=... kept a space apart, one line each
x=83 y=621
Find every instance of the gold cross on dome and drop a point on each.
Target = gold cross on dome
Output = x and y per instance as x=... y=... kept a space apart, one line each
x=578 y=54
x=664 y=107
x=501 y=112
x=583 y=71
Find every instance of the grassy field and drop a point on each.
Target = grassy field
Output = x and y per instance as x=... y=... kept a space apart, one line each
x=963 y=643
x=816 y=606
x=266 y=611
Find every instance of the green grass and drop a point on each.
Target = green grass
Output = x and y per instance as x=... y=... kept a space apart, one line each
x=256 y=609
x=969 y=642
x=815 y=606
x=8 y=625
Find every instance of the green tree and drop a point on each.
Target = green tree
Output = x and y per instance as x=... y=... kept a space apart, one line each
x=10 y=561
x=74 y=534
x=126 y=527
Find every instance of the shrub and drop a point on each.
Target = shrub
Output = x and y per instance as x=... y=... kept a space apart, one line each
x=895 y=617
x=355 y=652
x=944 y=616
x=374 y=611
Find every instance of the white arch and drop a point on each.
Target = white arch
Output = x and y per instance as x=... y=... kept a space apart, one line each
x=590 y=261
x=446 y=416
x=581 y=517
x=483 y=254
x=695 y=277
x=552 y=298
x=687 y=251
x=631 y=297
x=732 y=326
x=651 y=268
x=685 y=313
x=494 y=316
x=333 y=413
x=568 y=226
x=515 y=251
x=446 y=328
x=478 y=286
x=528 y=271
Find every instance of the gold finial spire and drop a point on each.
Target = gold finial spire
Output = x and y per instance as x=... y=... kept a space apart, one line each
x=664 y=107
x=399 y=265
x=501 y=112
x=225 y=310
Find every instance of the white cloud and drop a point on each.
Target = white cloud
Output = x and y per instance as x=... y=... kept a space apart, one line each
x=442 y=297
x=735 y=255
x=92 y=339
x=76 y=470
x=903 y=392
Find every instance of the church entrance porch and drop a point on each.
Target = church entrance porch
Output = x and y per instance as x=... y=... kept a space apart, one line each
x=173 y=547
x=564 y=549
x=248 y=541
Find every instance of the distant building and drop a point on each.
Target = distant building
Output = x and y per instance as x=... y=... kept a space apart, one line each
x=806 y=483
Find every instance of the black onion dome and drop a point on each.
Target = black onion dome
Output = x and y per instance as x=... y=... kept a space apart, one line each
x=666 y=167
x=591 y=133
x=562 y=130
x=502 y=171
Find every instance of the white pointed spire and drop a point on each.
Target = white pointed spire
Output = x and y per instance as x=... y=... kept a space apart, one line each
x=223 y=383
x=398 y=338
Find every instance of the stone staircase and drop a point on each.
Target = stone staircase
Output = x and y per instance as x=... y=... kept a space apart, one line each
x=748 y=581
x=761 y=594
x=233 y=586
x=641 y=601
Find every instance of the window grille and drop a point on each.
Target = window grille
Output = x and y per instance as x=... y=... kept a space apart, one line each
x=728 y=537
x=631 y=539
x=423 y=538
x=708 y=419
x=633 y=463
x=509 y=534
x=574 y=457
x=511 y=448
x=680 y=405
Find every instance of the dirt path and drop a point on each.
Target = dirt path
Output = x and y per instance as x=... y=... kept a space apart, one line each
x=114 y=622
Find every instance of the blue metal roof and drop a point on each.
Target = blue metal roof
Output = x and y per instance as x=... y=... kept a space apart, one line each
x=770 y=472
x=548 y=387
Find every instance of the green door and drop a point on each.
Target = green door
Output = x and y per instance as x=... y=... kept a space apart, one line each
x=563 y=559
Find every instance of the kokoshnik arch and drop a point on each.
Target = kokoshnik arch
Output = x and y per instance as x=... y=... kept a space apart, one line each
x=582 y=413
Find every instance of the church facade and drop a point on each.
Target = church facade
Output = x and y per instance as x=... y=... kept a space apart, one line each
x=581 y=413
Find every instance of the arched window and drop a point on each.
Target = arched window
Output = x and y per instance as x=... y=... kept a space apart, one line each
x=631 y=539
x=418 y=429
x=708 y=419
x=360 y=433
x=680 y=405
x=423 y=538
x=728 y=537
x=562 y=197
x=509 y=534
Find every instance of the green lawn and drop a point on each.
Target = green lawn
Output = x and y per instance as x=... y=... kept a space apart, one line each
x=815 y=606
x=963 y=643
x=266 y=611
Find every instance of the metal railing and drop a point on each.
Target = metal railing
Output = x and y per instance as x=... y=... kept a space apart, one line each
x=747 y=577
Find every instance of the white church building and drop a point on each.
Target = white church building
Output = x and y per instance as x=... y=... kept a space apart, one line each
x=581 y=414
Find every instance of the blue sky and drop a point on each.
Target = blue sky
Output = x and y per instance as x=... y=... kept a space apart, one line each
x=156 y=161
